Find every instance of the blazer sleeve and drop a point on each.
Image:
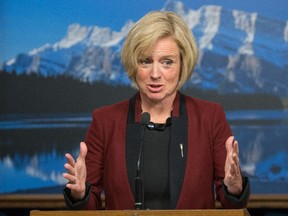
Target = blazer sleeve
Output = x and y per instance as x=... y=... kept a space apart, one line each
x=242 y=199
x=81 y=204
x=220 y=132
x=95 y=158
x=94 y=163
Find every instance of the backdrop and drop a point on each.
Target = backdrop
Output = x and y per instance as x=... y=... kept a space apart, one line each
x=60 y=60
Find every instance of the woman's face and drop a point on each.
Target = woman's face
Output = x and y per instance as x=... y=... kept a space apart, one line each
x=158 y=72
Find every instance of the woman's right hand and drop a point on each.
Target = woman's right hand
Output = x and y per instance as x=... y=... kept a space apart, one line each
x=76 y=173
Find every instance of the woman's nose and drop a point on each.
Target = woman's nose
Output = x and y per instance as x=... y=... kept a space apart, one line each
x=155 y=72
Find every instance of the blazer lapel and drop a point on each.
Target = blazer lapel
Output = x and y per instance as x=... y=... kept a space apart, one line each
x=133 y=139
x=178 y=152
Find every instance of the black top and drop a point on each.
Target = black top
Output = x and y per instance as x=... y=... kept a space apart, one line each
x=156 y=166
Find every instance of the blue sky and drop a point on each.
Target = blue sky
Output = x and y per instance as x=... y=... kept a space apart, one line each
x=28 y=24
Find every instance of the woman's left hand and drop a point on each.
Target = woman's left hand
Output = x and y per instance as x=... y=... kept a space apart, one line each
x=233 y=178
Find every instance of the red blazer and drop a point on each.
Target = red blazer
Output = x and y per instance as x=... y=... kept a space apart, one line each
x=113 y=141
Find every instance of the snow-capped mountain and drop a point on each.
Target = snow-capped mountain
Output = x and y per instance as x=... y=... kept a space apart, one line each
x=238 y=52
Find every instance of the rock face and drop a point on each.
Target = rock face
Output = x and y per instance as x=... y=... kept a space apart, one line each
x=239 y=52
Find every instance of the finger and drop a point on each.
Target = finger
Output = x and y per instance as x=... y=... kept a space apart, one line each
x=69 y=168
x=235 y=167
x=235 y=147
x=229 y=143
x=236 y=162
x=235 y=159
x=83 y=151
x=72 y=186
x=70 y=178
x=70 y=159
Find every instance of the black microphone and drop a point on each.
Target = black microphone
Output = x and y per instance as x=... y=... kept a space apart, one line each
x=139 y=195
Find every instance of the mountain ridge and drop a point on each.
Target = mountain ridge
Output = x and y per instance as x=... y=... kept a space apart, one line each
x=238 y=52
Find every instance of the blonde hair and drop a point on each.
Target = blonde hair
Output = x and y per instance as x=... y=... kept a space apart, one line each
x=148 y=30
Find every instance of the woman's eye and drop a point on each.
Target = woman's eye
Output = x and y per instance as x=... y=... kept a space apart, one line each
x=167 y=62
x=145 y=61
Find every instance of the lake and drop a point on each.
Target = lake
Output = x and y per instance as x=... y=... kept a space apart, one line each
x=32 y=149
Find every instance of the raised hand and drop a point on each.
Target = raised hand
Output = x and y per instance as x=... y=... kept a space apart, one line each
x=233 y=178
x=76 y=173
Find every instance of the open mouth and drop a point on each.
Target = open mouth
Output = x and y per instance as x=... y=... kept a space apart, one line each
x=155 y=87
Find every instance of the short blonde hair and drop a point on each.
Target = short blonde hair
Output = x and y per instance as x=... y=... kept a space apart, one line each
x=148 y=30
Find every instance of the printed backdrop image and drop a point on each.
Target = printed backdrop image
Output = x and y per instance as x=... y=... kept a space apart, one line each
x=59 y=60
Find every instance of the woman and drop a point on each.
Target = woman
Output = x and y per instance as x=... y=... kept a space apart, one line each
x=188 y=151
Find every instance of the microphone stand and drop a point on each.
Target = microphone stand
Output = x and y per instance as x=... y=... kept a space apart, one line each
x=139 y=195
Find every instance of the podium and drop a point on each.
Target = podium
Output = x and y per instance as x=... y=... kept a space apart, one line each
x=208 y=212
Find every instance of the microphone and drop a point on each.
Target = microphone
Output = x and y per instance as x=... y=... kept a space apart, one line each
x=139 y=195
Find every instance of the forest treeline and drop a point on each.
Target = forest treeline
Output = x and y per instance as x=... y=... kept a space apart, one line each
x=37 y=94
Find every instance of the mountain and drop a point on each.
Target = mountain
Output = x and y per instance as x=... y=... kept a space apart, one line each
x=239 y=52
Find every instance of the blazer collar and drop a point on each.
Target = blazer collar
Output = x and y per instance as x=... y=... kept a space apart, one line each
x=179 y=140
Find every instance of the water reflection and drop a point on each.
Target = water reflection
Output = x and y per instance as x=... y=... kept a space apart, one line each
x=263 y=151
x=34 y=158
